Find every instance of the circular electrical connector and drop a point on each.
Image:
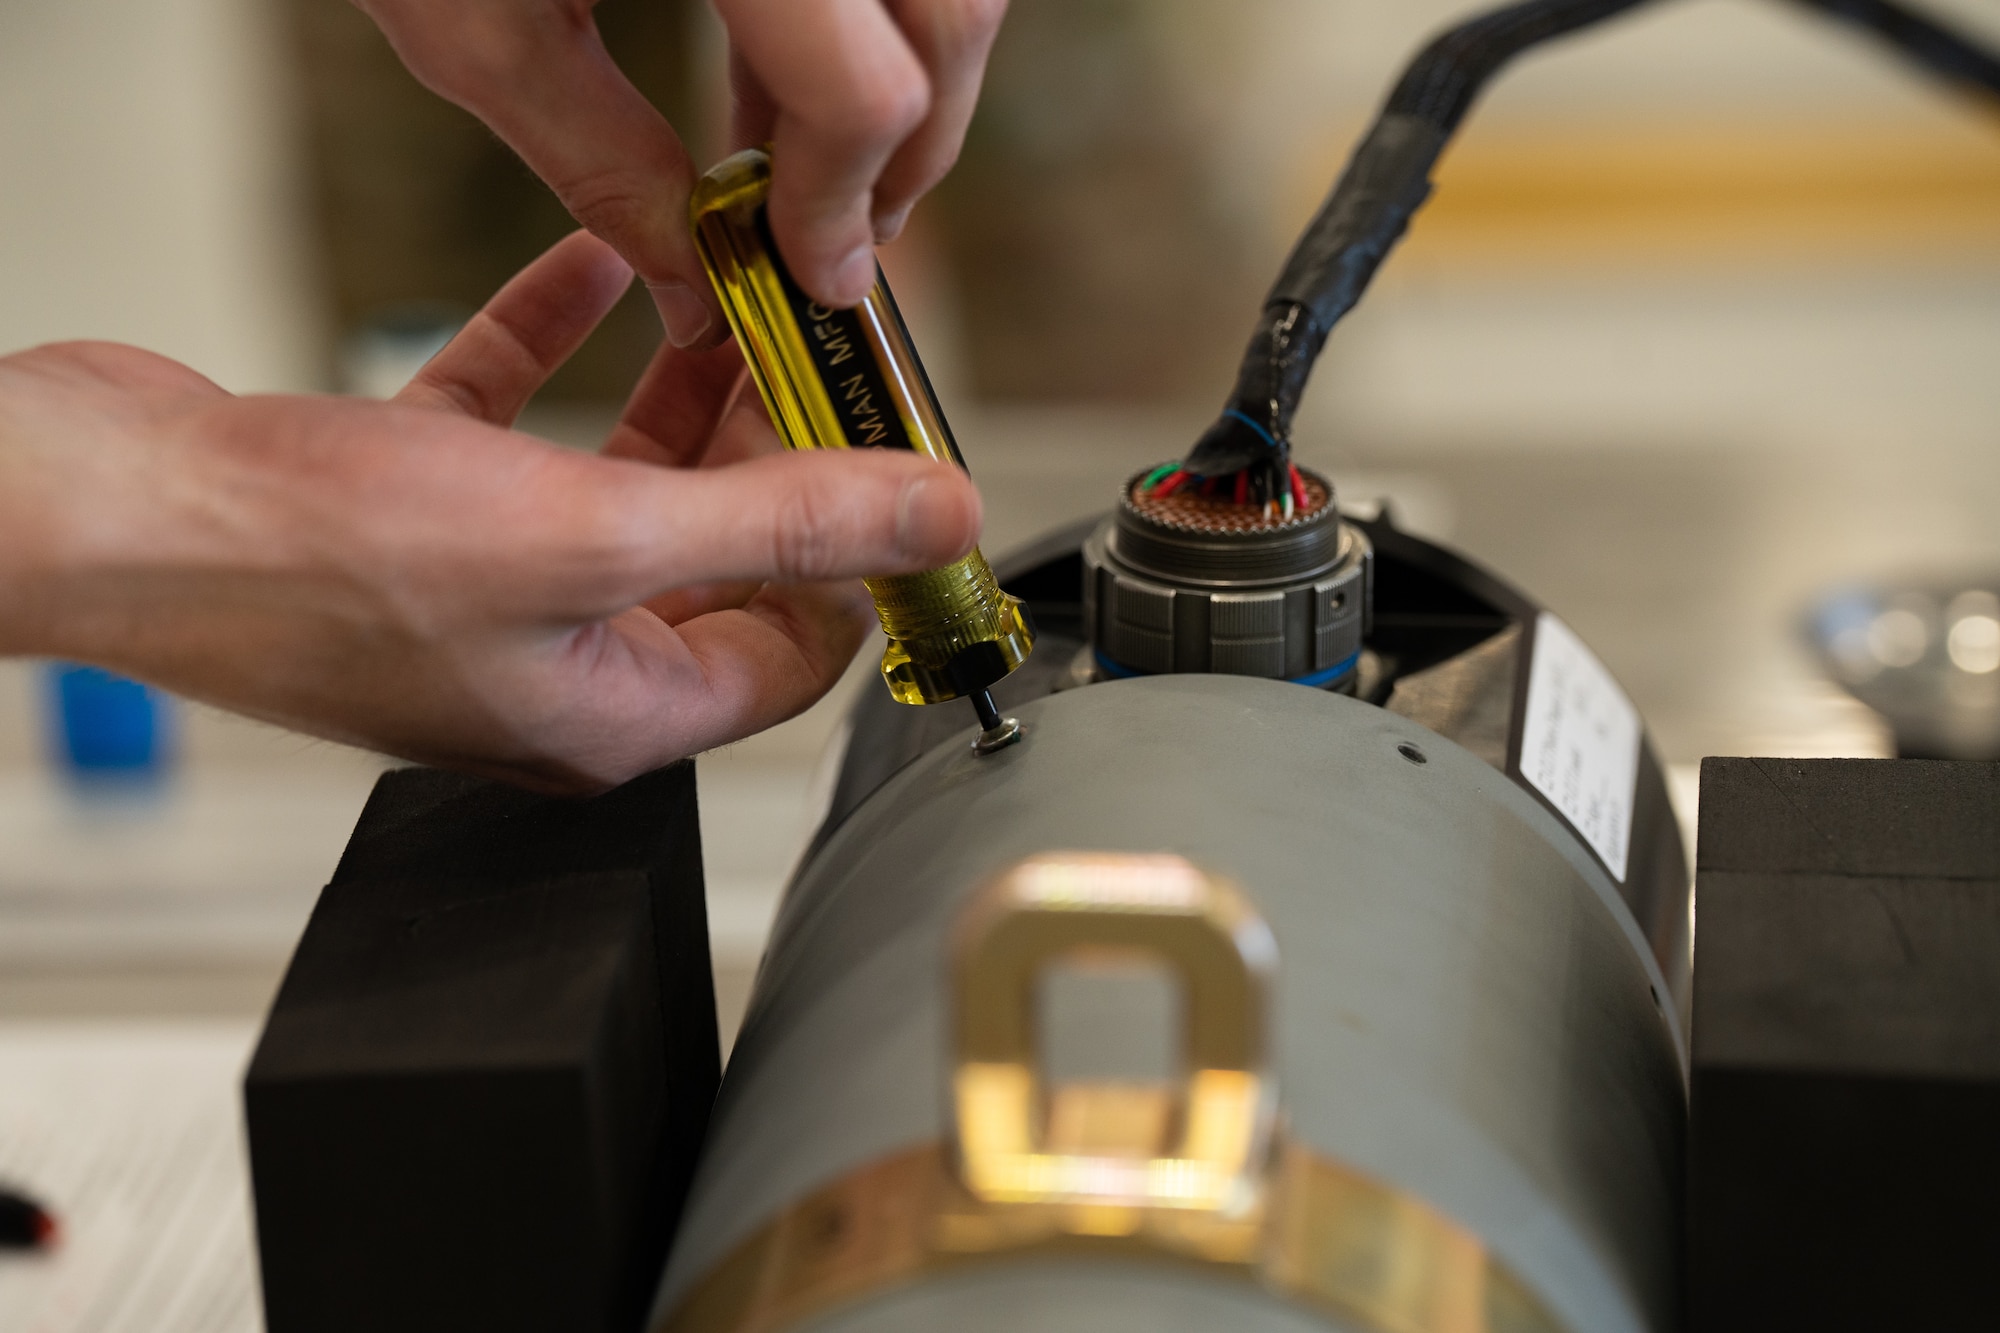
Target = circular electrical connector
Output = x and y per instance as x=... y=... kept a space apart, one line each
x=1193 y=583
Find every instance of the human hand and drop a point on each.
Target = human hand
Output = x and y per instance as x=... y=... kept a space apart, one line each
x=865 y=103
x=414 y=577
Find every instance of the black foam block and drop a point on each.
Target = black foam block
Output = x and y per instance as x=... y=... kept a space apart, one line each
x=1845 y=1154
x=479 y=1094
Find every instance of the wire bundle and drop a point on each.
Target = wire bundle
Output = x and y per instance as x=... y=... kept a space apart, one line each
x=1276 y=503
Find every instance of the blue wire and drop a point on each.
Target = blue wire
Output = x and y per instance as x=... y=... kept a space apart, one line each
x=1262 y=434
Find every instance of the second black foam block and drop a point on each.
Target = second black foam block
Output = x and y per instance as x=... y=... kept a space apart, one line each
x=1845 y=1153
x=479 y=1095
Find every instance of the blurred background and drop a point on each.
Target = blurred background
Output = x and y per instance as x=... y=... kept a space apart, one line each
x=1703 y=321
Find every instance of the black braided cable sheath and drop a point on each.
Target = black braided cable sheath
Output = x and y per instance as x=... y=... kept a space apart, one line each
x=1388 y=179
x=1440 y=84
x=1385 y=182
x=1945 y=51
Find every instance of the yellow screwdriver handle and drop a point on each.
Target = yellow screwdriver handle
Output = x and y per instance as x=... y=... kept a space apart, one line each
x=850 y=379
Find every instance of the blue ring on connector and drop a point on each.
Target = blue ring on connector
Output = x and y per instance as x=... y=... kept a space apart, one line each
x=1262 y=434
x=1332 y=673
x=1115 y=670
x=1316 y=679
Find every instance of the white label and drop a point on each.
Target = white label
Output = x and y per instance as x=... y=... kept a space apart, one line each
x=1580 y=742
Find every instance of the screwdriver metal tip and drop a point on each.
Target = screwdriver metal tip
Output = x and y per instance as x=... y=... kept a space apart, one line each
x=989 y=714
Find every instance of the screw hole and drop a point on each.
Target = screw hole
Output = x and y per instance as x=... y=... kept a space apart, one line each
x=1412 y=753
x=1339 y=600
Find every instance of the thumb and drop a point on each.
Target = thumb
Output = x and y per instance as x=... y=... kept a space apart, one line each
x=794 y=518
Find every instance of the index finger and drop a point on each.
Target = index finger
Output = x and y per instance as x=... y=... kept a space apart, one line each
x=844 y=89
x=952 y=38
x=494 y=365
x=540 y=78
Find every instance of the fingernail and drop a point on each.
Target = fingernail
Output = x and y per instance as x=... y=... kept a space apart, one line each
x=921 y=529
x=684 y=313
x=891 y=225
x=855 y=275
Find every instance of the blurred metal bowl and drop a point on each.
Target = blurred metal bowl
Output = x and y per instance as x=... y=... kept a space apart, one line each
x=1926 y=656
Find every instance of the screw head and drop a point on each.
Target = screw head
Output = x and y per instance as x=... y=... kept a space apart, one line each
x=1000 y=737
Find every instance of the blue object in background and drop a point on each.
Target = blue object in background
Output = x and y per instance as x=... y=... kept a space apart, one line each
x=103 y=726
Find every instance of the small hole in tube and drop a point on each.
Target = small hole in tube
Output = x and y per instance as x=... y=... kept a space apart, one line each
x=1412 y=753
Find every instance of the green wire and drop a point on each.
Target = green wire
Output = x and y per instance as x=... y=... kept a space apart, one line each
x=1158 y=472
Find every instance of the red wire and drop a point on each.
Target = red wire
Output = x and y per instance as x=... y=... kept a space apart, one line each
x=1166 y=484
x=1298 y=487
x=1243 y=488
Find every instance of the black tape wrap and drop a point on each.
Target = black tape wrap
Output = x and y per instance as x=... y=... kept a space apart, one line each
x=1386 y=181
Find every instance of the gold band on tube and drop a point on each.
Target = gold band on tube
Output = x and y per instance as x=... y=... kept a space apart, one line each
x=1328 y=1238
x=1192 y=1174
